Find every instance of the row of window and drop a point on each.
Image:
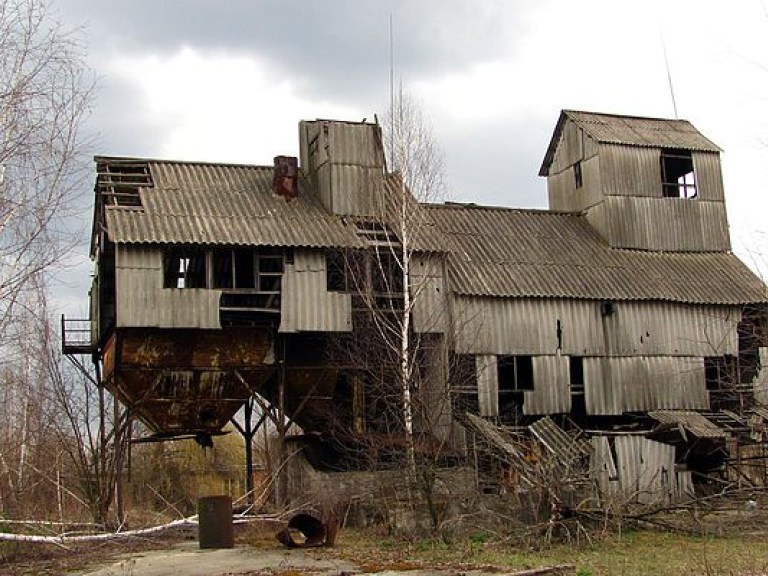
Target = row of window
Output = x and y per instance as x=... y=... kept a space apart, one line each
x=257 y=269
x=677 y=177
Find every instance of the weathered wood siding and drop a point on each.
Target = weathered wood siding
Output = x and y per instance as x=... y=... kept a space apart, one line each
x=143 y=302
x=306 y=304
x=530 y=326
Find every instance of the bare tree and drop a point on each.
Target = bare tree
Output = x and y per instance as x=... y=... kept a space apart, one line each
x=388 y=282
x=45 y=92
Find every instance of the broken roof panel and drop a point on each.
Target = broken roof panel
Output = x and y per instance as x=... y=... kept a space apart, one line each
x=558 y=442
x=502 y=252
x=693 y=423
x=222 y=204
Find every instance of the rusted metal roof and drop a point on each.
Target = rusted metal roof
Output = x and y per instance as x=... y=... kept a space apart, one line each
x=692 y=422
x=203 y=203
x=630 y=131
x=536 y=253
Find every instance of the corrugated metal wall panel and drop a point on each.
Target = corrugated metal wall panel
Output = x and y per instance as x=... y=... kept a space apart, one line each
x=602 y=468
x=530 y=326
x=143 y=302
x=616 y=385
x=355 y=190
x=430 y=305
x=646 y=469
x=563 y=194
x=486 y=368
x=306 y=304
x=551 y=391
x=709 y=176
x=356 y=144
x=630 y=171
x=667 y=224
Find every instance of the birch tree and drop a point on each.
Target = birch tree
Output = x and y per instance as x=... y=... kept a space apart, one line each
x=45 y=92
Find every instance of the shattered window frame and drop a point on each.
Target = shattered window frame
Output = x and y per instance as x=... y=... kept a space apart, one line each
x=678 y=178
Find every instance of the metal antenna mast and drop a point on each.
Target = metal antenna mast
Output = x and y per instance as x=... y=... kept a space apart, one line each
x=669 y=73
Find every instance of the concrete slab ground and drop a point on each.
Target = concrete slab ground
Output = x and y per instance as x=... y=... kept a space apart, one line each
x=187 y=559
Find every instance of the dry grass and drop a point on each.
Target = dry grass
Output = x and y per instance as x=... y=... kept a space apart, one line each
x=634 y=553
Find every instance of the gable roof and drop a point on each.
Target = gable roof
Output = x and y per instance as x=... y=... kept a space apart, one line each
x=630 y=131
x=501 y=252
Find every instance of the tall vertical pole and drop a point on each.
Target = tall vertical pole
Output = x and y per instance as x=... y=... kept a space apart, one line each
x=248 y=437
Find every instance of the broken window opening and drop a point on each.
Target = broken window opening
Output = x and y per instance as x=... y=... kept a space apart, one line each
x=260 y=270
x=514 y=376
x=677 y=176
x=576 y=381
x=185 y=268
x=752 y=335
x=386 y=273
x=720 y=372
x=577 y=176
x=515 y=373
x=335 y=271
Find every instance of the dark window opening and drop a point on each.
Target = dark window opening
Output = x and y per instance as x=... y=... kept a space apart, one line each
x=720 y=372
x=752 y=335
x=335 y=271
x=576 y=380
x=463 y=379
x=514 y=376
x=184 y=268
x=244 y=269
x=515 y=373
x=577 y=175
x=677 y=177
x=223 y=268
x=386 y=273
x=576 y=372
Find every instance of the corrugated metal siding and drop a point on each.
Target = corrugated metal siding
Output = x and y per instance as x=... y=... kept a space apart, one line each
x=615 y=385
x=430 y=302
x=563 y=194
x=644 y=471
x=503 y=252
x=630 y=171
x=529 y=326
x=223 y=204
x=486 y=368
x=143 y=302
x=551 y=391
x=709 y=176
x=667 y=224
x=629 y=130
x=306 y=305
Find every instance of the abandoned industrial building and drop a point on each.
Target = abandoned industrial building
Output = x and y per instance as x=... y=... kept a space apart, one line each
x=616 y=327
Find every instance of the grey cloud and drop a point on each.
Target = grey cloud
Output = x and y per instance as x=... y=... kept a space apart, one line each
x=338 y=49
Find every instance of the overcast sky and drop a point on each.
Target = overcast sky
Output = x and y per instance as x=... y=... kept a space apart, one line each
x=229 y=81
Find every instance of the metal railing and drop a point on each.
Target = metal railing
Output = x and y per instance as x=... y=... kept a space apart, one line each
x=77 y=336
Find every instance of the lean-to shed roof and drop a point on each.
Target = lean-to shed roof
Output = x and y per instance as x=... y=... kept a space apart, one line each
x=500 y=252
x=630 y=131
